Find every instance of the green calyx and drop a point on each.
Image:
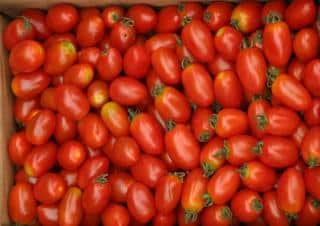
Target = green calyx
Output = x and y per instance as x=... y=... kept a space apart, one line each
x=213 y=120
x=132 y=113
x=26 y=23
x=257 y=205
x=257 y=149
x=180 y=7
x=256 y=39
x=243 y=171
x=313 y=162
x=127 y=21
x=261 y=121
x=157 y=90
x=170 y=125
x=216 y=107
x=315 y=203
x=226 y=213
x=186 y=20
x=204 y=137
x=208 y=169
x=179 y=175
x=223 y=152
x=190 y=216
x=272 y=18
x=179 y=41
x=207 y=200
x=102 y=179
x=115 y=17
x=272 y=74
x=185 y=62
x=291 y=216
x=245 y=43
x=235 y=23
x=207 y=16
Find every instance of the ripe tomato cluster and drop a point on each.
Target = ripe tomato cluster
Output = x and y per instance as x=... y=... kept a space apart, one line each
x=185 y=115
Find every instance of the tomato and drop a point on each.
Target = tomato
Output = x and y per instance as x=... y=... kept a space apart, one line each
x=22 y=206
x=299 y=134
x=71 y=155
x=310 y=213
x=148 y=133
x=50 y=188
x=189 y=11
x=38 y=20
x=296 y=68
x=193 y=190
x=90 y=31
x=65 y=129
x=312 y=115
x=171 y=104
x=26 y=56
x=114 y=215
x=127 y=91
x=211 y=158
x=219 y=64
x=88 y=12
x=305 y=44
x=70 y=210
x=227 y=42
x=97 y=93
x=198 y=85
x=56 y=38
x=251 y=68
x=116 y=118
x=59 y=57
x=140 y=202
x=111 y=15
x=201 y=124
x=123 y=34
x=228 y=90
x=277 y=152
x=182 y=221
x=183 y=53
x=109 y=64
x=168 y=19
x=90 y=169
x=217 y=15
x=291 y=192
x=276 y=7
x=19 y=147
x=300 y=14
x=89 y=55
x=278 y=121
x=161 y=40
x=165 y=63
x=168 y=192
x=312 y=181
x=144 y=17
x=48 y=215
x=80 y=75
x=199 y=41
x=120 y=183
x=93 y=131
x=247 y=205
x=18 y=30
x=271 y=211
x=47 y=98
x=255 y=39
x=164 y=219
x=245 y=16
x=218 y=215
x=72 y=102
x=223 y=185
x=182 y=147
x=310 y=147
x=311 y=77
x=136 y=61
x=229 y=122
x=291 y=92
x=23 y=109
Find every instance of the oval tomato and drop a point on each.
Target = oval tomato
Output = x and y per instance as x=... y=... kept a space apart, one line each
x=70 y=209
x=272 y=214
x=161 y=40
x=80 y=75
x=218 y=215
x=312 y=181
x=300 y=14
x=98 y=93
x=306 y=44
x=144 y=17
x=115 y=214
x=201 y=124
x=71 y=155
x=112 y=15
x=217 y=15
x=310 y=147
x=310 y=213
x=24 y=109
x=136 y=61
x=66 y=129
x=123 y=34
x=89 y=55
x=48 y=215
x=90 y=31
x=109 y=64
x=296 y=68
x=19 y=147
x=168 y=19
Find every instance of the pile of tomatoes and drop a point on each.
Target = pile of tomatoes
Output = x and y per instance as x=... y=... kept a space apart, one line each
x=188 y=114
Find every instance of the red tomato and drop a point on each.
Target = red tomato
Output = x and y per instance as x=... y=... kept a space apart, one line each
x=88 y=12
x=165 y=63
x=189 y=11
x=97 y=93
x=56 y=38
x=48 y=215
x=296 y=68
x=245 y=16
x=120 y=183
x=26 y=56
x=72 y=102
x=228 y=90
x=59 y=57
x=272 y=214
x=23 y=109
x=96 y=195
x=128 y=91
x=199 y=41
x=50 y=188
x=247 y=205
x=22 y=207
x=140 y=202
x=168 y=192
x=65 y=129
x=123 y=34
x=144 y=17
x=165 y=219
x=306 y=44
x=228 y=42
x=21 y=176
x=201 y=124
x=168 y=19
x=148 y=133
x=219 y=64
x=136 y=61
x=62 y=17
x=217 y=15
x=198 y=85
x=90 y=31
x=218 y=215
x=182 y=147
x=193 y=190
x=211 y=158
x=165 y=40
x=70 y=210
x=109 y=64
x=92 y=168
x=114 y=215
x=312 y=181
x=48 y=98
x=311 y=77
x=276 y=7
x=310 y=147
x=300 y=14
x=277 y=152
x=251 y=68
x=223 y=185
x=171 y=104
x=112 y=15
x=310 y=213
x=71 y=155
x=229 y=122
x=257 y=176
x=79 y=75
x=312 y=115
x=19 y=147
x=291 y=191
x=299 y=134
x=93 y=131
x=89 y=55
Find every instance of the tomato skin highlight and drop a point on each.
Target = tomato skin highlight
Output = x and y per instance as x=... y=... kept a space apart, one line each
x=272 y=214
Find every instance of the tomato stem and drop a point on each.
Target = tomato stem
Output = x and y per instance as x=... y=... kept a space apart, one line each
x=235 y=23
x=190 y=216
x=244 y=43
x=26 y=23
x=204 y=137
x=157 y=90
x=262 y=121
x=132 y=113
x=115 y=17
x=243 y=171
x=180 y=7
x=272 y=74
x=315 y=203
x=291 y=216
x=127 y=21
x=257 y=205
x=179 y=175
x=102 y=179
x=179 y=41
x=257 y=149
x=207 y=199
x=216 y=107
x=312 y=162
x=207 y=16
x=186 y=20
x=226 y=213
x=208 y=169
x=170 y=125
x=185 y=62
x=272 y=17
x=213 y=120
